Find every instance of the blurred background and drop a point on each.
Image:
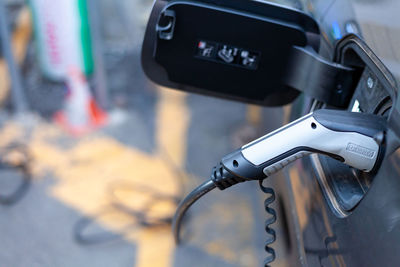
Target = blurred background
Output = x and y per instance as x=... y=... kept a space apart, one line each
x=94 y=157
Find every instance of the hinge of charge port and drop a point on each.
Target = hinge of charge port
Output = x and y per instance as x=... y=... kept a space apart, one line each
x=326 y=81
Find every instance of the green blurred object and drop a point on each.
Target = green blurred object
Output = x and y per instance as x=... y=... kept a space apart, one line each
x=62 y=36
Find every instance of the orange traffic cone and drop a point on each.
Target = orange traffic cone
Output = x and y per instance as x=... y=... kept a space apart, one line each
x=80 y=113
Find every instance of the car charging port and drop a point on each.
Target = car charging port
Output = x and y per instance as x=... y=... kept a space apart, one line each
x=344 y=187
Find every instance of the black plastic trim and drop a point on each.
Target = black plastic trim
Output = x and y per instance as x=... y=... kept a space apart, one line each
x=339 y=121
x=318 y=78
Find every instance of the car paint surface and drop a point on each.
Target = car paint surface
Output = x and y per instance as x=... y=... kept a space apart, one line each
x=370 y=235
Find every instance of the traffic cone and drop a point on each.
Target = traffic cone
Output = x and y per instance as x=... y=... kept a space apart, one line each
x=80 y=113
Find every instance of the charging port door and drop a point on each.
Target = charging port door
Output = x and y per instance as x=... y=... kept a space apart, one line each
x=239 y=50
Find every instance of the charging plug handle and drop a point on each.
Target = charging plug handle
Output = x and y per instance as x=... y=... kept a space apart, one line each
x=355 y=139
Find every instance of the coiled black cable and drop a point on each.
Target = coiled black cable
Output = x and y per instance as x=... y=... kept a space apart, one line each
x=270 y=220
x=223 y=179
x=210 y=185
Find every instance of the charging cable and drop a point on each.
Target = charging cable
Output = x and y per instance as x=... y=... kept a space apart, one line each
x=355 y=139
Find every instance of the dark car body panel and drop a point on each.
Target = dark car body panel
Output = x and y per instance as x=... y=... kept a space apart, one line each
x=369 y=234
